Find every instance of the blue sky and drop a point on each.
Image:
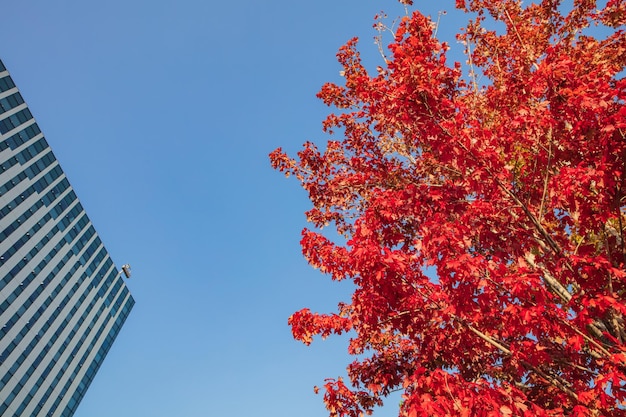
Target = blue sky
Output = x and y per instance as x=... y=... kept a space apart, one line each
x=162 y=114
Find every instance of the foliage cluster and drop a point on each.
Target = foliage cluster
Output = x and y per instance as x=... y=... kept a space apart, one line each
x=513 y=192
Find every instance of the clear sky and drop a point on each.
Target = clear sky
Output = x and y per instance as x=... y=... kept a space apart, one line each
x=162 y=114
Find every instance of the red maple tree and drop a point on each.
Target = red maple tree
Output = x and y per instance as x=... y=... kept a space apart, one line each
x=483 y=224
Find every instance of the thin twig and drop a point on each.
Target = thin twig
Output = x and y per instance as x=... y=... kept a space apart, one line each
x=545 y=180
x=519 y=38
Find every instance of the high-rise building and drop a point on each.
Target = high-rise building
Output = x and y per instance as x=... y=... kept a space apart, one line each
x=62 y=300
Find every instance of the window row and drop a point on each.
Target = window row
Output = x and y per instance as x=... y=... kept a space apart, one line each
x=90 y=271
x=55 y=359
x=104 y=286
x=37 y=315
x=62 y=205
x=9 y=185
x=20 y=137
x=71 y=358
x=100 y=355
x=81 y=389
x=118 y=302
x=71 y=338
x=15 y=120
x=32 y=151
x=6 y=83
x=35 y=272
x=18 y=290
x=91 y=371
x=59 y=227
x=97 y=243
x=26 y=155
x=45 y=200
x=10 y=102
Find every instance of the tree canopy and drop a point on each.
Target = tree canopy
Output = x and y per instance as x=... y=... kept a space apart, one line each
x=483 y=221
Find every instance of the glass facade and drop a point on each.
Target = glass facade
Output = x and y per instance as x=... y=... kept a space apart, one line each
x=62 y=300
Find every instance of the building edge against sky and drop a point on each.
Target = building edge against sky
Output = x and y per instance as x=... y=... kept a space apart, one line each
x=62 y=300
